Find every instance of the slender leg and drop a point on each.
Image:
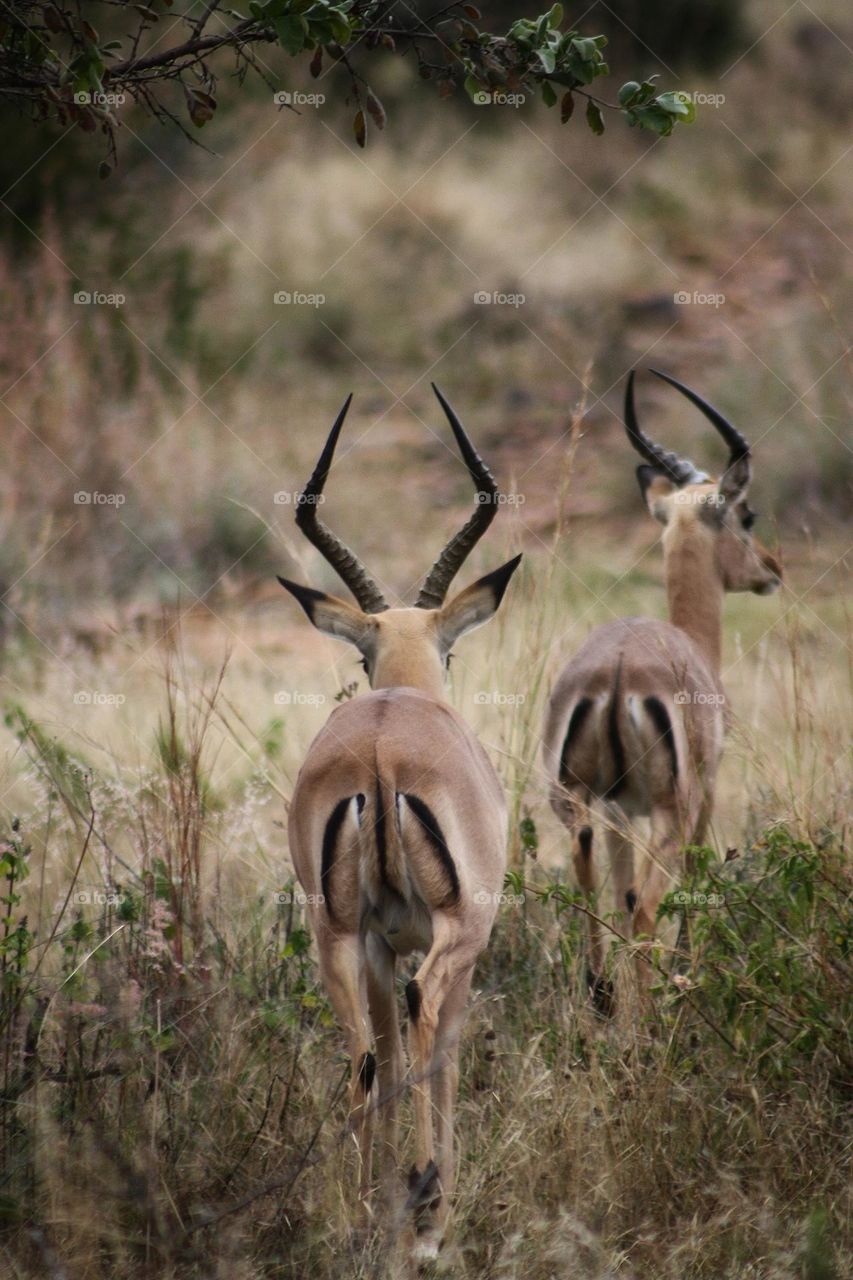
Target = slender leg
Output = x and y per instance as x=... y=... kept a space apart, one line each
x=381 y=965
x=444 y=976
x=668 y=828
x=342 y=970
x=620 y=849
x=446 y=1086
x=571 y=807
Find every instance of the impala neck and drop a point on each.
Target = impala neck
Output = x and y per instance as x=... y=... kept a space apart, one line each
x=694 y=589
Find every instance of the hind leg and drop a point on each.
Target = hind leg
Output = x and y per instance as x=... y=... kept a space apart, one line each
x=342 y=970
x=620 y=850
x=572 y=808
x=671 y=829
x=436 y=998
x=381 y=966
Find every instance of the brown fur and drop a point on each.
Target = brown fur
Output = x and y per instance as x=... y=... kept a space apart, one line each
x=403 y=757
x=707 y=551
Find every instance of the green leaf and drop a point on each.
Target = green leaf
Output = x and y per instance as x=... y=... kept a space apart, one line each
x=567 y=106
x=549 y=97
x=291 y=32
x=472 y=87
x=594 y=118
x=547 y=57
x=677 y=104
x=628 y=92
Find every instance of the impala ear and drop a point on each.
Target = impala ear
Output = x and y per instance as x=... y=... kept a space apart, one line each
x=475 y=605
x=735 y=480
x=656 y=488
x=333 y=616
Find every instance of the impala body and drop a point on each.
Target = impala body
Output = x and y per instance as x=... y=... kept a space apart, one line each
x=637 y=719
x=398 y=835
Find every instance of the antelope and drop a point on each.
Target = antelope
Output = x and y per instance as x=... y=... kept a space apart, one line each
x=637 y=717
x=397 y=831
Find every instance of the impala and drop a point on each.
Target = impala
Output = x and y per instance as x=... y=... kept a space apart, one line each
x=636 y=719
x=397 y=832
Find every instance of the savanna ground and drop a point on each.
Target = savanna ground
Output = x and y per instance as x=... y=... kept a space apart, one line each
x=173 y=1080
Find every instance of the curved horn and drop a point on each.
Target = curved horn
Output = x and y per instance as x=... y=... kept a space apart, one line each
x=345 y=563
x=680 y=470
x=450 y=561
x=738 y=444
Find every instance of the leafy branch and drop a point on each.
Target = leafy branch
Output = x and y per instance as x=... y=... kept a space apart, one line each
x=54 y=64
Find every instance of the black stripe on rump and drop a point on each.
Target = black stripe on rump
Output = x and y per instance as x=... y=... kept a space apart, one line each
x=330 y=840
x=435 y=836
x=663 y=724
x=576 y=723
x=379 y=834
x=613 y=738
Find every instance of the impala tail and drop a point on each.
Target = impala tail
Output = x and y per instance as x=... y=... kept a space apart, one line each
x=384 y=879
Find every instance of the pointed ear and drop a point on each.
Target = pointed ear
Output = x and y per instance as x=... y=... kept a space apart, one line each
x=655 y=486
x=474 y=606
x=735 y=481
x=328 y=613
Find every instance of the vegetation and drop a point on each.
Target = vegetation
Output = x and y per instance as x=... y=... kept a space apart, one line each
x=56 y=64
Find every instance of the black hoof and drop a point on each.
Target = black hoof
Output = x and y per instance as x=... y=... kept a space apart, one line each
x=600 y=993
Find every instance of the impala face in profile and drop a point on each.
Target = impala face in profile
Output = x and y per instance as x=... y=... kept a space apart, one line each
x=636 y=719
x=398 y=834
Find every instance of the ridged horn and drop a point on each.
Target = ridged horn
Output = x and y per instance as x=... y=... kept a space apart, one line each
x=345 y=562
x=459 y=547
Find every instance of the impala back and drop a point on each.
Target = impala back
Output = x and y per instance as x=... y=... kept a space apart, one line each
x=396 y=815
x=634 y=715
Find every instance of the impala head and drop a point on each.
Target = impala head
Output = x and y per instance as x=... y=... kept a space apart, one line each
x=404 y=646
x=686 y=501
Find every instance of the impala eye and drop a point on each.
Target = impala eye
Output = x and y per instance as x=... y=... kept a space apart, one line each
x=447 y=659
x=362 y=662
x=749 y=519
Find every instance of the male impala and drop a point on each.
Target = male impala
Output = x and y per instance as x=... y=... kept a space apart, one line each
x=398 y=832
x=637 y=718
